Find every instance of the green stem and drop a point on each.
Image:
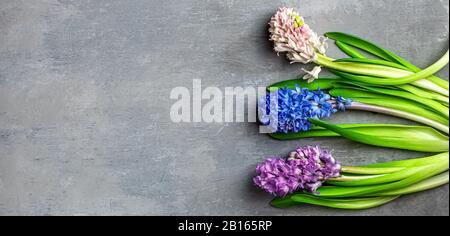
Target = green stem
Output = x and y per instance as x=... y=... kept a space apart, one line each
x=402 y=114
x=440 y=82
x=351 y=178
x=444 y=104
x=400 y=105
x=361 y=170
x=376 y=179
x=378 y=74
x=424 y=139
x=344 y=192
x=373 y=62
x=422 y=93
x=361 y=68
x=442 y=157
x=427 y=184
x=431 y=104
x=427 y=84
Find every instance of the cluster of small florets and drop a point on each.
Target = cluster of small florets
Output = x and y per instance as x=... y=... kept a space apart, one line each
x=304 y=170
x=292 y=35
x=288 y=110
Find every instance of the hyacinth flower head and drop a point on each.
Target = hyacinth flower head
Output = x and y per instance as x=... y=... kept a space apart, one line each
x=304 y=169
x=294 y=37
x=291 y=35
x=289 y=110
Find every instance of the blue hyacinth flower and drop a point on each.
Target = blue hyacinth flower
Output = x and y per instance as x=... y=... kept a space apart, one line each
x=288 y=110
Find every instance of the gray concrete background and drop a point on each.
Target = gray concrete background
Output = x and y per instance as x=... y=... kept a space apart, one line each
x=84 y=102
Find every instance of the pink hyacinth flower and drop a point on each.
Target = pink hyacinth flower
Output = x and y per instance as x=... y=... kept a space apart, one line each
x=293 y=36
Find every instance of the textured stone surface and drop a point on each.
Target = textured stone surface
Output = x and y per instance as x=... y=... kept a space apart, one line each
x=84 y=102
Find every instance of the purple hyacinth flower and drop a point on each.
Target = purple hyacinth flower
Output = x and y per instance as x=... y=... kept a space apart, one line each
x=304 y=169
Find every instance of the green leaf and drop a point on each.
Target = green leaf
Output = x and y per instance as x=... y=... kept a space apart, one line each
x=366 y=180
x=394 y=166
x=425 y=94
x=362 y=170
x=304 y=134
x=321 y=132
x=344 y=192
x=367 y=46
x=433 y=182
x=436 y=106
x=442 y=157
x=373 y=62
x=444 y=104
x=437 y=66
x=383 y=74
x=407 y=106
x=349 y=204
x=381 y=53
x=390 y=107
x=415 y=138
x=440 y=82
x=322 y=83
x=285 y=202
x=347 y=49
x=362 y=68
